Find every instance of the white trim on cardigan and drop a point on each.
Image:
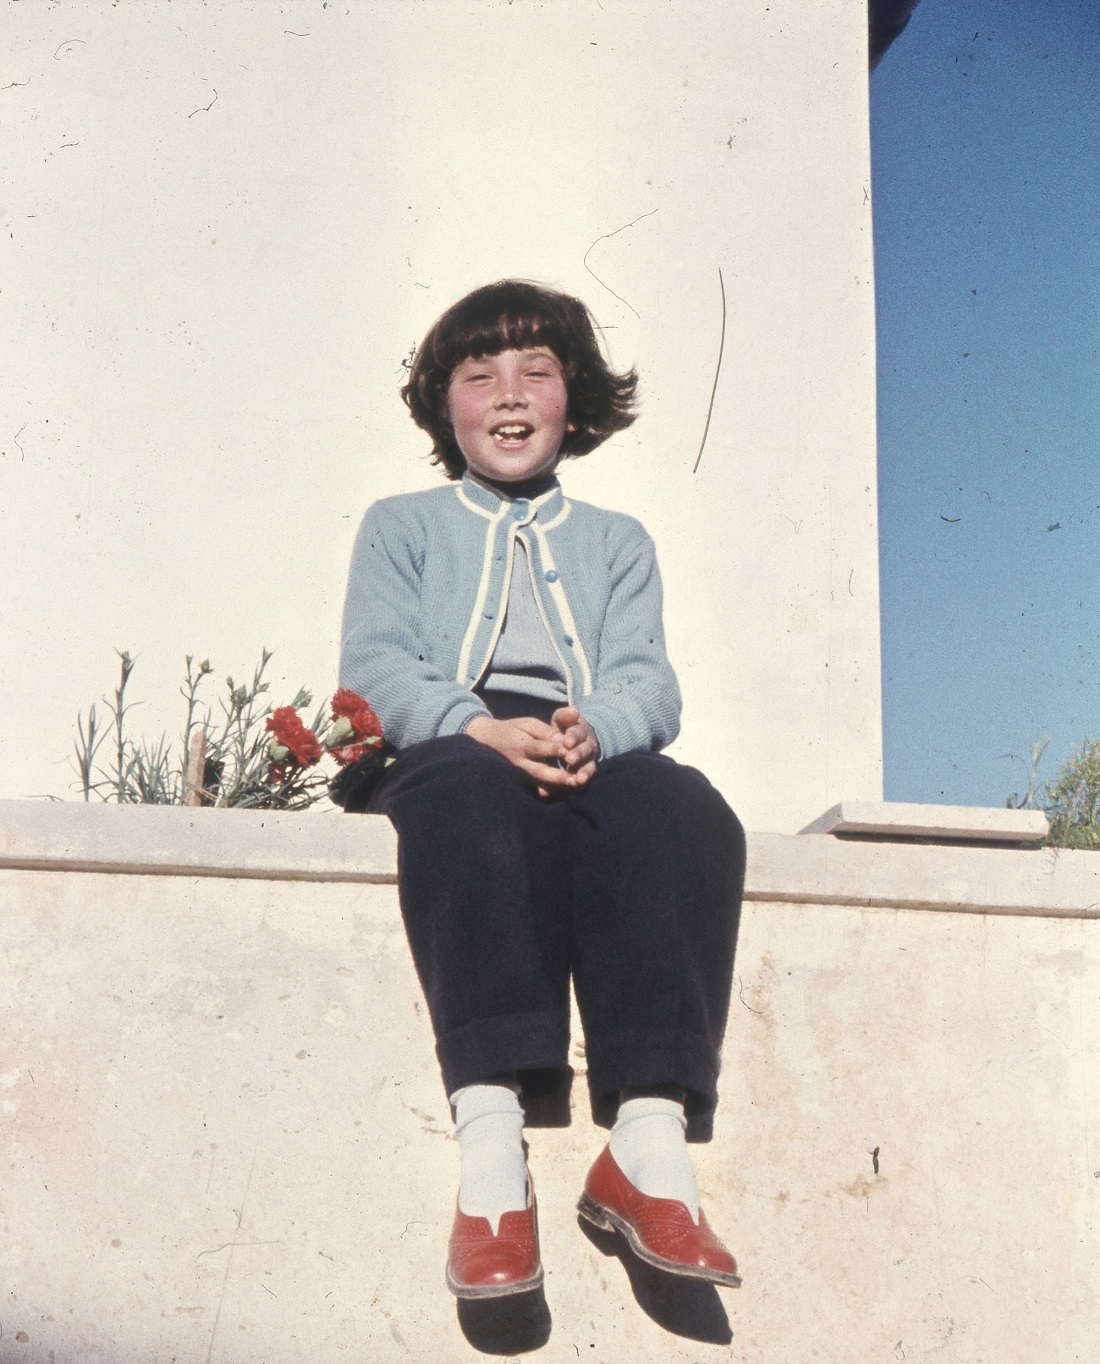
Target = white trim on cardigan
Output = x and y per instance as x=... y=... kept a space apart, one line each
x=482 y=587
x=561 y=601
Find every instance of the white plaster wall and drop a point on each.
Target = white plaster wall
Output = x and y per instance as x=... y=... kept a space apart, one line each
x=224 y=1139
x=224 y=224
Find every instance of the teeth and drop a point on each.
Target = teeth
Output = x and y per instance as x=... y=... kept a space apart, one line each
x=511 y=431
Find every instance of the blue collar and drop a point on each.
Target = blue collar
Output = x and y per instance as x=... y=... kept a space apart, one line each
x=546 y=505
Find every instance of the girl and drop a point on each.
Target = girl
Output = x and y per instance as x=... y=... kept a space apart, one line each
x=511 y=642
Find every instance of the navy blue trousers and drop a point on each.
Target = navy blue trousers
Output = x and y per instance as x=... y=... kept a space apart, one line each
x=630 y=885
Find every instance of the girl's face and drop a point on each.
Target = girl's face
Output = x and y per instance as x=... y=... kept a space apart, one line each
x=509 y=413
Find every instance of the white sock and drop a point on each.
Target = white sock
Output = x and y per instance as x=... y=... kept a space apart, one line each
x=489 y=1128
x=649 y=1146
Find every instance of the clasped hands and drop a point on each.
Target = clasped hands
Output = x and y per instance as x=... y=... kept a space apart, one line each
x=538 y=748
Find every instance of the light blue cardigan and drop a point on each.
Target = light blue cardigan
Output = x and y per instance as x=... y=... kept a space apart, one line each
x=426 y=597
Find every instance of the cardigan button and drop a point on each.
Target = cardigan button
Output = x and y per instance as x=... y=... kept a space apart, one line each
x=568 y=639
x=551 y=576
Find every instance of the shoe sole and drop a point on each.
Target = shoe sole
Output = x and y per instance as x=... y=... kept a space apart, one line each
x=607 y=1220
x=493 y=1290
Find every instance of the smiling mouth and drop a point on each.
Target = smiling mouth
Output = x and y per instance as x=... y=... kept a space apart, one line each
x=511 y=433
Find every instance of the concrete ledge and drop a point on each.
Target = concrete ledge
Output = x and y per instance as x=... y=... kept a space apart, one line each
x=940 y=823
x=224 y=1137
x=821 y=870
x=173 y=841
x=321 y=846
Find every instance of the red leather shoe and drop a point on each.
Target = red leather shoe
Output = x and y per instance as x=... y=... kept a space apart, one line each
x=481 y=1265
x=659 y=1230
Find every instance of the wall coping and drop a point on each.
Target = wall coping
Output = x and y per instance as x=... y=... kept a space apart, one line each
x=817 y=869
x=943 y=823
x=175 y=840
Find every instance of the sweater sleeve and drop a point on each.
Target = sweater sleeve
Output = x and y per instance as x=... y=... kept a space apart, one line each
x=382 y=657
x=635 y=700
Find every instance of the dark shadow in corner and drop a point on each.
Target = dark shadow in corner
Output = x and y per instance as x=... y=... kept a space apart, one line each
x=514 y=1325
x=684 y=1307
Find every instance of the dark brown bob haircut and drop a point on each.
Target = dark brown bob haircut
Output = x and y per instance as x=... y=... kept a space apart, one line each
x=514 y=314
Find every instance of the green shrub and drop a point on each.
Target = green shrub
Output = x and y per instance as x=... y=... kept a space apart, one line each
x=238 y=761
x=1071 y=801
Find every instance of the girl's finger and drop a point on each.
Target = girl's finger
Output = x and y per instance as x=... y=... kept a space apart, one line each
x=547 y=776
x=547 y=753
x=584 y=774
x=537 y=729
x=581 y=754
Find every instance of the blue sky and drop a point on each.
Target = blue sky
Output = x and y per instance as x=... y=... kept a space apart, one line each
x=986 y=161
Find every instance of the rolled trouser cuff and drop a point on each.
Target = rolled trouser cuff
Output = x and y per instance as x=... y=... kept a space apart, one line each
x=625 y=1061
x=496 y=1046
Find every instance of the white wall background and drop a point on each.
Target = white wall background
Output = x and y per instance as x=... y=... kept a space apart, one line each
x=224 y=224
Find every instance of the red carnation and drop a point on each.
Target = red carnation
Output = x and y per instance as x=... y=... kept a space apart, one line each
x=286 y=724
x=353 y=752
x=351 y=706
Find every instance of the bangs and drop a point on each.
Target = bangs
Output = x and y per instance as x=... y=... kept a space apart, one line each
x=511 y=315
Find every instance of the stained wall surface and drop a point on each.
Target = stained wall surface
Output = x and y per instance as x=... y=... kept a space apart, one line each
x=225 y=225
x=224 y=1136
